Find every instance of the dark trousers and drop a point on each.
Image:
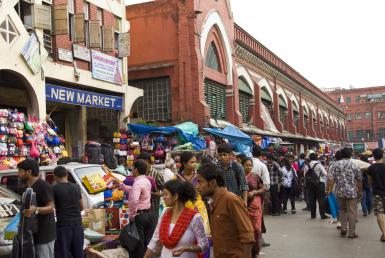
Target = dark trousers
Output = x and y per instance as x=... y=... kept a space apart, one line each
x=275 y=203
x=145 y=223
x=366 y=201
x=316 y=193
x=286 y=194
x=69 y=241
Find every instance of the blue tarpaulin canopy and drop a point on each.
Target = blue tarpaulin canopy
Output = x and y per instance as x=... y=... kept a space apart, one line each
x=147 y=129
x=232 y=134
x=186 y=135
x=242 y=142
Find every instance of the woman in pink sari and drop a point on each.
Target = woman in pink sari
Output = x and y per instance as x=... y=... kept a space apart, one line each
x=255 y=202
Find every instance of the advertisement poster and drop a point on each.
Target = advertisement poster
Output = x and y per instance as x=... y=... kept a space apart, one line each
x=32 y=55
x=106 y=68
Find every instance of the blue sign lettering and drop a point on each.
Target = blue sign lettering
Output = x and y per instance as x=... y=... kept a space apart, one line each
x=83 y=98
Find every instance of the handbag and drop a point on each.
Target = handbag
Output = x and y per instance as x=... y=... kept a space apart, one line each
x=159 y=153
x=296 y=185
x=34 y=152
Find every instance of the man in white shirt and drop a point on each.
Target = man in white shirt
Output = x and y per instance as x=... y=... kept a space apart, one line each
x=260 y=168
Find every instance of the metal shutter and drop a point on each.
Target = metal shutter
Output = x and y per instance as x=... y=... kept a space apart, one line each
x=215 y=97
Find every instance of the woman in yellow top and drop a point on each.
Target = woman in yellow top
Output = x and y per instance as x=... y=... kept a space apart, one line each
x=187 y=172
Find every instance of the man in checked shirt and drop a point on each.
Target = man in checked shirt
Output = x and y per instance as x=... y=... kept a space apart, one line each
x=275 y=178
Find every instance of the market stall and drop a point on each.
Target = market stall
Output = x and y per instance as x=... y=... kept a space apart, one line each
x=24 y=137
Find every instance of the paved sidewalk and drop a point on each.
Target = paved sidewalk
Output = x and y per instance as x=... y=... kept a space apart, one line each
x=298 y=236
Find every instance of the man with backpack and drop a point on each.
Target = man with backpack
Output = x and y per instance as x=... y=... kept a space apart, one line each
x=315 y=177
x=233 y=173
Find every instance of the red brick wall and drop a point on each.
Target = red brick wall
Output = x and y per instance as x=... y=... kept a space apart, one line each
x=63 y=41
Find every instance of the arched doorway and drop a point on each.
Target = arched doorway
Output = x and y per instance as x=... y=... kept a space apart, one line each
x=19 y=93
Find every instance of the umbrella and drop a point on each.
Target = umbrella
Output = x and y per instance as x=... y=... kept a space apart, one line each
x=361 y=164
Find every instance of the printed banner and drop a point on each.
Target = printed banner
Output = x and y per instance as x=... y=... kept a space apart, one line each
x=106 y=68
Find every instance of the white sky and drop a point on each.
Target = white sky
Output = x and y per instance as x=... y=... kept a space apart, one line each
x=333 y=43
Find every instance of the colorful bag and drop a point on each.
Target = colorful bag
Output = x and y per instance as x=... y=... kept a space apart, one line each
x=3 y=149
x=123 y=216
x=3 y=121
x=159 y=153
x=4 y=129
x=28 y=127
x=3 y=138
x=11 y=149
x=4 y=113
x=34 y=151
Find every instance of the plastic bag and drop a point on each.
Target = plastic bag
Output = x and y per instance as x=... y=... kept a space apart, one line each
x=94 y=183
x=129 y=237
x=97 y=220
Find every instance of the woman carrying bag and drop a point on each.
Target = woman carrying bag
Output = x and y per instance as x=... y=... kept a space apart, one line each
x=180 y=231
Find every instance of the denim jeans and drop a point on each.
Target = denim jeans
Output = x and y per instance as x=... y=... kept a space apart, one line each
x=366 y=201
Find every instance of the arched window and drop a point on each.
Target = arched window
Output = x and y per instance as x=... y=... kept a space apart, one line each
x=244 y=98
x=212 y=59
x=283 y=111
x=295 y=114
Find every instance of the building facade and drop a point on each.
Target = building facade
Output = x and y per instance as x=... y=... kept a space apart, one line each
x=65 y=60
x=194 y=63
x=365 y=109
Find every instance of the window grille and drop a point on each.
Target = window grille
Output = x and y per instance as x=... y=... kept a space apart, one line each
x=215 y=97
x=155 y=105
x=244 y=105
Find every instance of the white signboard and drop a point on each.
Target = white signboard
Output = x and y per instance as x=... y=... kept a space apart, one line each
x=65 y=55
x=32 y=55
x=106 y=68
x=82 y=52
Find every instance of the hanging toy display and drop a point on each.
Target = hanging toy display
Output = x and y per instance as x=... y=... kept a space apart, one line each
x=24 y=137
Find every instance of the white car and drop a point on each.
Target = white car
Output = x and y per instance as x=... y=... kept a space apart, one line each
x=9 y=180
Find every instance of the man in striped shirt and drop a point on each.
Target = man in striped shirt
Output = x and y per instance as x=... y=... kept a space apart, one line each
x=233 y=173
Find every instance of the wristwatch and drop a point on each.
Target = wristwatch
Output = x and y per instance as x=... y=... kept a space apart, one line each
x=37 y=211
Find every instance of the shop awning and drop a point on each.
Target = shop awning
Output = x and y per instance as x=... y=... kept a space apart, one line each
x=147 y=129
x=232 y=134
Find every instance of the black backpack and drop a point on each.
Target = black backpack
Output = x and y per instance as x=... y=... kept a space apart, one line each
x=108 y=156
x=311 y=176
x=93 y=153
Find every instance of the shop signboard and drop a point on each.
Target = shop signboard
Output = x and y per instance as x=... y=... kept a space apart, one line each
x=32 y=55
x=106 y=68
x=82 y=52
x=82 y=98
x=65 y=55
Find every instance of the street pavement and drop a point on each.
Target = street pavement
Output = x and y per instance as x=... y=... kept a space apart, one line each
x=298 y=236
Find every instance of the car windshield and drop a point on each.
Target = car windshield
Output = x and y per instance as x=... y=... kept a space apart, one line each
x=85 y=171
x=5 y=193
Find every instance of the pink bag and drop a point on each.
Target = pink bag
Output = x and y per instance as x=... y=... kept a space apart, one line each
x=34 y=152
x=159 y=153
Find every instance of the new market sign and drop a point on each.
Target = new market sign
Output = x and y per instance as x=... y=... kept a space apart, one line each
x=82 y=98
x=106 y=68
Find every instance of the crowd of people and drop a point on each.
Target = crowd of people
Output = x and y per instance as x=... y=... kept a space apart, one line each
x=213 y=203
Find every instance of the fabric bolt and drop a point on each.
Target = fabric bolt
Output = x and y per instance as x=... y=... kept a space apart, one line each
x=139 y=195
x=348 y=214
x=260 y=169
x=231 y=227
x=345 y=175
x=194 y=234
x=230 y=176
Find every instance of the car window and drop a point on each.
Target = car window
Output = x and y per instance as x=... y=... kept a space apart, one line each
x=82 y=172
x=11 y=182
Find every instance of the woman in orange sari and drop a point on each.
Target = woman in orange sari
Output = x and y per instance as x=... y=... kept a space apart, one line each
x=254 y=202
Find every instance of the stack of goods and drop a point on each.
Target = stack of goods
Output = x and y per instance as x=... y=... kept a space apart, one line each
x=131 y=146
x=121 y=140
x=21 y=138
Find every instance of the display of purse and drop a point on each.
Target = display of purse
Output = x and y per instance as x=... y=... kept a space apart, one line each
x=4 y=113
x=34 y=152
x=4 y=129
x=3 y=121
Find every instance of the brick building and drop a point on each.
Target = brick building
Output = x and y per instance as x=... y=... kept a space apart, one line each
x=365 y=109
x=68 y=59
x=194 y=63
